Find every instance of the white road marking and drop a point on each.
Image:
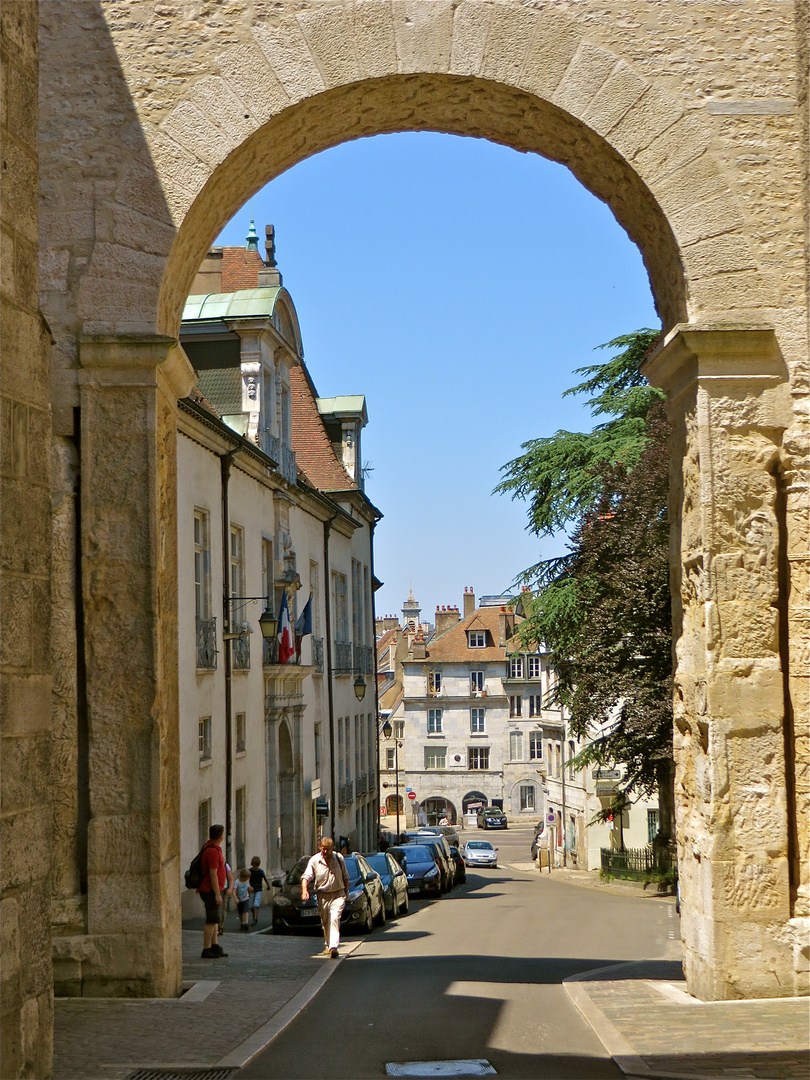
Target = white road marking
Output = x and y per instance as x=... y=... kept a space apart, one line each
x=472 y=1067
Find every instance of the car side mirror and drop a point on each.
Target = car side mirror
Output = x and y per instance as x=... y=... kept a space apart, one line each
x=404 y=862
x=276 y=882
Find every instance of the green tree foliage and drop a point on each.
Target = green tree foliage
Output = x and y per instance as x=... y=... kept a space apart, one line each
x=603 y=610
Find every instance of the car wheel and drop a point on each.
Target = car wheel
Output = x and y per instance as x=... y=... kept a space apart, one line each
x=368 y=925
x=280 y=928
x=406 y=905
x=380 y=920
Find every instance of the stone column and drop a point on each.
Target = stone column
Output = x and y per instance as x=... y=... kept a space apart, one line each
x=729 y=405
x=129 y=388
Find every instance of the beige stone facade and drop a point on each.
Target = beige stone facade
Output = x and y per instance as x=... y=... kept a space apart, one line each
x=689 y=120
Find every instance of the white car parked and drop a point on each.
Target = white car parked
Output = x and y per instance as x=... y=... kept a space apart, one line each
x=479 y=853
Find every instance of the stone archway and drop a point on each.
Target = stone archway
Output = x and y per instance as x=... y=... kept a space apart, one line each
x=286 y=797
x=163 y=149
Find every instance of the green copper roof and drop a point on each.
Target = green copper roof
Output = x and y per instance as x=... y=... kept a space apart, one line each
x=244 y=304
x=347 y=403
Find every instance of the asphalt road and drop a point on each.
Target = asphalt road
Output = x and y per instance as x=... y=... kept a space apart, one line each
x=475 y=974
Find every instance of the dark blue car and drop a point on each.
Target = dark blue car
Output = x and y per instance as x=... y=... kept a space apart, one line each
x=421 y=868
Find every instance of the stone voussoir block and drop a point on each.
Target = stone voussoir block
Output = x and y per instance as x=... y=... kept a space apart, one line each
x=328 y=34
x=423 y=34
x=586 y=74
x=286 y=51
x=471 y=22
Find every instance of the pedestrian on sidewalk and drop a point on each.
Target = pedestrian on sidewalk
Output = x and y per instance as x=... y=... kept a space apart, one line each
x=243 y=891
x=326 y=870
x=258 y=879
x=226 y=900
x=214 y=880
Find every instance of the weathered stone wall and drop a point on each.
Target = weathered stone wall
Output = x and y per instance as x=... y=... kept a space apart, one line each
x=690 y=120
x=25 y=718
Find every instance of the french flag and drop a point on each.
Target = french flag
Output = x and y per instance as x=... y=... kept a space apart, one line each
x=286 y=646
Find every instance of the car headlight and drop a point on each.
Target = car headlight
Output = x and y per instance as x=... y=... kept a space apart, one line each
x=354 y=896
x=282 y=901
x=432 y=873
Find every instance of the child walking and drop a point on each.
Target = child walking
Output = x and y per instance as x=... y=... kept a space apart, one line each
x=243 y=890
x=258 y=879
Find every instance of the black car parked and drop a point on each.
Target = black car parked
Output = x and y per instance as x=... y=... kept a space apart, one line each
x=421 y=868
x=439 y=845
x=461 y=866
x=394 y=882
x=364 y=908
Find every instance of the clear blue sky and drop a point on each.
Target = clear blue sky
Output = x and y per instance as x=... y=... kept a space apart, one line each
x=457 y=284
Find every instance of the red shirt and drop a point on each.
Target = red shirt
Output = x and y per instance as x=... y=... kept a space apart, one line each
x=212 y=859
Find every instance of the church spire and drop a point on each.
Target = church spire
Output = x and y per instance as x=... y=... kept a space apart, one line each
x=252 y=237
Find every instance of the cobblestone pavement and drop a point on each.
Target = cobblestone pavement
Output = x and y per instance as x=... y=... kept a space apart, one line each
x=106 y=1039
x=653 y=1028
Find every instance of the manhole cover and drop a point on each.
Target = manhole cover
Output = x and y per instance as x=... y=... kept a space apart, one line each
x=471 y=1067
x=182 y=1074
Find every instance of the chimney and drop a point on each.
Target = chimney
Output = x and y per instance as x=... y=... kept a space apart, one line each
x=506 y=626
x=418 y=650
x=269 y=275
x=469 y=602
x=446 y=617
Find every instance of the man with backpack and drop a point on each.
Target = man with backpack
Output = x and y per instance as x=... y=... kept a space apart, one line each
x=213 y=879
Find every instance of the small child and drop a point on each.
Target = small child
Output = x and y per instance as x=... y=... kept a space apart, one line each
x=243 y=890
x=258 y=879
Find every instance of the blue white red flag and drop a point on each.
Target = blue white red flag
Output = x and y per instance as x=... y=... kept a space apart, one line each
x=303 y=626
x=286 y=647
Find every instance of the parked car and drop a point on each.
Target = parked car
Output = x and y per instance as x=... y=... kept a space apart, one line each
x=421 y=868
x=447 y=831
x=438 y=844
x=364 y=907
x=490 y=817
x=480 y=853
x=394 y=882
x=461 y=869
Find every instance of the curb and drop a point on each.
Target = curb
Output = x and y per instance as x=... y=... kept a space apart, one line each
x=263 y=1036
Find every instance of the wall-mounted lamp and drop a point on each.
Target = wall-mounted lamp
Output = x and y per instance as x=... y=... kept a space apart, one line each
x=359 y=687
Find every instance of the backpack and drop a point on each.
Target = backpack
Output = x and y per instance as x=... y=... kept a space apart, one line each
x=194 y=873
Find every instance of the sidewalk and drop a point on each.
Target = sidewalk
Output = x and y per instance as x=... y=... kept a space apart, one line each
x=231 y=1009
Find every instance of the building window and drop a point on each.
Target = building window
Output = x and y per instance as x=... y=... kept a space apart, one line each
x=516 y=745
x=652 y=825
x=358 y=621
x=202 y=565
x=369 y=629
x=434 y=682
x=267 y=571
x=476 y=682
x=399 y=729
x=435 y=757
x=434 y=723
x=535 y=746
x=240 y=825
x=340 y=606
x=515 y=667
x=358 y=769
x=390 y=757
x=535 y=704
x=527 y=797
x=203 y=821
x=557 y=759
x=237 y=561
x=477 y=721
x=478 y=757
x=340 y=751
x=535 y=667
x=551 y=758
x=241 y=732
x=314 y=592
x=317 y=751
x=477 y=639
x=571 y=755
x=515 y=705
x=204 y=738
x=571 y=839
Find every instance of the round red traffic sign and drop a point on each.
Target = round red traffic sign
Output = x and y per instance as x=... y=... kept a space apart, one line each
x=411 y=795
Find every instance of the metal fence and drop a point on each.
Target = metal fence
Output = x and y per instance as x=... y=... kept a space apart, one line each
x=363 y=660
x=345 y=794
x=317 y=654
x=241 y=649
x=343 y=657
x=638 y=864
x=206 y=644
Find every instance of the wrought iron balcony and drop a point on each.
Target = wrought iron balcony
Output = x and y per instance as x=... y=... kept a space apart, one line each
x=206 y=644
x=361 y=785
x=346 y=794
x=271 y=446
x=343 y=658
x=288 y=466
x=317 y=654
x=363 y=660
x=241 y=648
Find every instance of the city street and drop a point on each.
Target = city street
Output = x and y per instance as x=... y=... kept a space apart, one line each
x=475 y=975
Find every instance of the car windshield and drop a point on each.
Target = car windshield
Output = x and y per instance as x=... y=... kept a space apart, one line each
x=494 y=813
x=480 y=845
x=353 y=869
x=379 y=863
x=294 y=876
x=414 y=853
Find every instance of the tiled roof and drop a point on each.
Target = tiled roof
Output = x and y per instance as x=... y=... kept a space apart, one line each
x=222 y=387
x=313 y=450
x=240 y=269
x=451 y=646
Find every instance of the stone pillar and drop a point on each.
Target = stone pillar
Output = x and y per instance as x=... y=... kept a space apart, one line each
x=729 y=406
x=129 y=388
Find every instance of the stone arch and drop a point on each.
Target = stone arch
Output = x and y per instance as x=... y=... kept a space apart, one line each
x=286 y=795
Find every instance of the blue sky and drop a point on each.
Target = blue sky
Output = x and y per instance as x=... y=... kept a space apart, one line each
x=457 y=284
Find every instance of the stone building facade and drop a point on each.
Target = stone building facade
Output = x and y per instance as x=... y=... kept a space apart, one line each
x=689 y=121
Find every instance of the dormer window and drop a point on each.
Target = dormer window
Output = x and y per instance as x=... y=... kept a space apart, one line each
x=476 y=639
x=516 y=667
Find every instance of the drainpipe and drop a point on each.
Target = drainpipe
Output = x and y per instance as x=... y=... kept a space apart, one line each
x=327 y=525
x=226 y=460
x=372 y=527
x=564 y=817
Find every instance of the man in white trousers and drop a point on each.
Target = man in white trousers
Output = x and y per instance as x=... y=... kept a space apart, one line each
x=327 y=871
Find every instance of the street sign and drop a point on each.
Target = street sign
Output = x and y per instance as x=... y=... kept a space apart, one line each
x=551 y=817
x=411 y=795
x=321 y=808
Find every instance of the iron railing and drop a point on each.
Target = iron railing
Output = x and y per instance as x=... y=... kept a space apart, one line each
x=361 y=785
x=206 y=644
x=363 y=659
x=345 y=794
x=271 y=446
x=343 y=658
x=288 y=467
x=241 y=648
x=638 y=864
x=317 y=654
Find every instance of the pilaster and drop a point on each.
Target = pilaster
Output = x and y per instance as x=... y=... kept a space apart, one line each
x=729 y=405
